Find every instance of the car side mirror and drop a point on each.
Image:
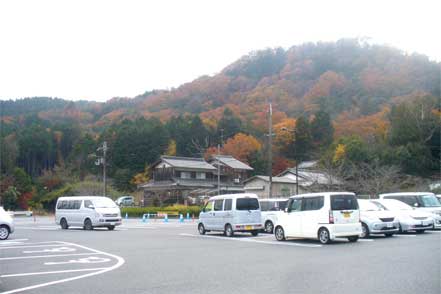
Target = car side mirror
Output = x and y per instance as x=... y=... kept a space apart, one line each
x=286 y=209
x=91 y=207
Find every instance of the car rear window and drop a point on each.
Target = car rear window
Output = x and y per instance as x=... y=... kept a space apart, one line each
x=247 y=204
x=343 y=202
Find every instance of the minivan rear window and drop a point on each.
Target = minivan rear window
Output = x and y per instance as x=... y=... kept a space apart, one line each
x=343 y=202
x=247 y=204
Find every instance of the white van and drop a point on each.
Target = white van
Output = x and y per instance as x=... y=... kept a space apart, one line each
x=323 y=216
x=87 y=212
x=271 y=208
x=424 y=201
x=231 y=213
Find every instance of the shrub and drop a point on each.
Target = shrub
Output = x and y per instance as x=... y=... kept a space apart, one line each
x=180 y=209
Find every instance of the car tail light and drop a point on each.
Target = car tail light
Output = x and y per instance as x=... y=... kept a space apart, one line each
x=331 y=217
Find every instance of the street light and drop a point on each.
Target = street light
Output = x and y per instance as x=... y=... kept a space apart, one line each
x=294 y=132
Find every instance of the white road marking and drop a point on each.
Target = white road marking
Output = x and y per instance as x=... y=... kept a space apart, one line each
x=92 y=259
x=117 y=265
x=53 y=272
x=37 y=228
x=32 y=246
x=361 y=240
x=60 y=249
x=14 y=240
x=286 y=243
x=47 y=256
x=405 y=235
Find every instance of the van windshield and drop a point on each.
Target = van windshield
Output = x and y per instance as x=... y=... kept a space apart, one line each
x=343 y=202
x=247 y=204
x=430 y=201
x=104 y=203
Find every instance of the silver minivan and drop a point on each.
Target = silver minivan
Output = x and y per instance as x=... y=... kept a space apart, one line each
x=231 y=213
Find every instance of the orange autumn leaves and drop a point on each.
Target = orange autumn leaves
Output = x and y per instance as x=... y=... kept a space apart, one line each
x=241 y=147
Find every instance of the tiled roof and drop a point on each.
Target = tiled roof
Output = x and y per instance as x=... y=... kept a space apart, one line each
x=281 y=180
x=232 y=162
x=187 y=162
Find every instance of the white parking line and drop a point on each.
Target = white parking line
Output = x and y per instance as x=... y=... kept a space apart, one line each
x=32 y=246
x=286 y=243
x=120 y=262
x=53 y=272
x=46 y=256
x=404 y=235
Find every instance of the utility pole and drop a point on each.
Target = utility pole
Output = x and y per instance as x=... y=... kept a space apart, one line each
x=218 y=170
x=270 y=151
x=102 y=160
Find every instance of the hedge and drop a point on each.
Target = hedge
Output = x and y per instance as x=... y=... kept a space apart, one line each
x=181 y=209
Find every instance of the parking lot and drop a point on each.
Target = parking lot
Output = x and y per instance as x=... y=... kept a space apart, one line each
x=158 y=257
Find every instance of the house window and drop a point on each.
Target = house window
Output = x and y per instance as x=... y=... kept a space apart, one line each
x=185 y=175
x=200 y=176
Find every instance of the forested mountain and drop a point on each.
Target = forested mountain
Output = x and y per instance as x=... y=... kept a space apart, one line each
x=374 y=98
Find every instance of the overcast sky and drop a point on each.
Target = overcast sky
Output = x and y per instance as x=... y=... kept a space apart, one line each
x=97 y=50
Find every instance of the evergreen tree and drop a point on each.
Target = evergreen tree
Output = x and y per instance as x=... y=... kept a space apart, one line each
x=322 y=131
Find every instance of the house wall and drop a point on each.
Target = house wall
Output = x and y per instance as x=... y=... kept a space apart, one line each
x=278 y=189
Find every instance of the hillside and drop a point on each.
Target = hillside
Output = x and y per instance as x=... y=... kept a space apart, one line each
x=345 y=76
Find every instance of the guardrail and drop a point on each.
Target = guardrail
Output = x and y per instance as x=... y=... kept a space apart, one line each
x=146 y=217
x=21 y=213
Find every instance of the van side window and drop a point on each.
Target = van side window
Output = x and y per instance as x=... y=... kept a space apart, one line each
x=228 y=204
x=88 y=203
x=61 y=204
x=208 y=206
x=218 y=205
x=410 y=200
x=296 y=205
x=313 y=203
x=70 y=204
x=77 y=204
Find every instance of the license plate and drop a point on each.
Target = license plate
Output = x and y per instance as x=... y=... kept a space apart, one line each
x=390 y=225
x=346 y=214
x=112 y=223
x=248 y=227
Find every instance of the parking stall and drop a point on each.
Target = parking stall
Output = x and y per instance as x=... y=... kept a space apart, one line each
x=28 y=265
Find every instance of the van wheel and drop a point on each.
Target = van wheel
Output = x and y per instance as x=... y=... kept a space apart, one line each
x=63 y=224
x=269 y=227
x=111 y=228
x=420 y=231
x=353 y=239
x=4 y=232
x=389 y=234
x=323 y=236
x=255 y=233
x=279 y=234
x=364 y=231
x=88 y=225
x=201 y=229
x=229 y=231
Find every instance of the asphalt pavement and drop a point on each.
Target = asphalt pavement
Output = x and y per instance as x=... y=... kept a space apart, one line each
x=158 y=257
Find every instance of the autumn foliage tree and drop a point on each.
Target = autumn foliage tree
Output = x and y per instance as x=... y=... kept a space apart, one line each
x=241 y=147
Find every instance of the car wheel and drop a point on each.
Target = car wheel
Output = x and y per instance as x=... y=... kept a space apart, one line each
x=420 y=231
x=323 y=236
x=111 y=228
x=229 y=231
x=88 y=225
x=255 y=233
x=201 y=229
x=364 y=231
x=279 y=234
x=269 y=227
x=63 y=224
x=353 y=239
x=389 y=235
x=4 y=232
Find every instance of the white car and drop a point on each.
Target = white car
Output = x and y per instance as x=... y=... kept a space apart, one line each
x=375 y=220
x=424 y=201
x=231 y=213
x=87 y=212
x=6 y=224
x=271 y=209
x=324 y=216
x=410 y=219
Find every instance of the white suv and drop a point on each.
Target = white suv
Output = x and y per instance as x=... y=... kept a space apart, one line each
x=323 y=216
x=6 y=224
